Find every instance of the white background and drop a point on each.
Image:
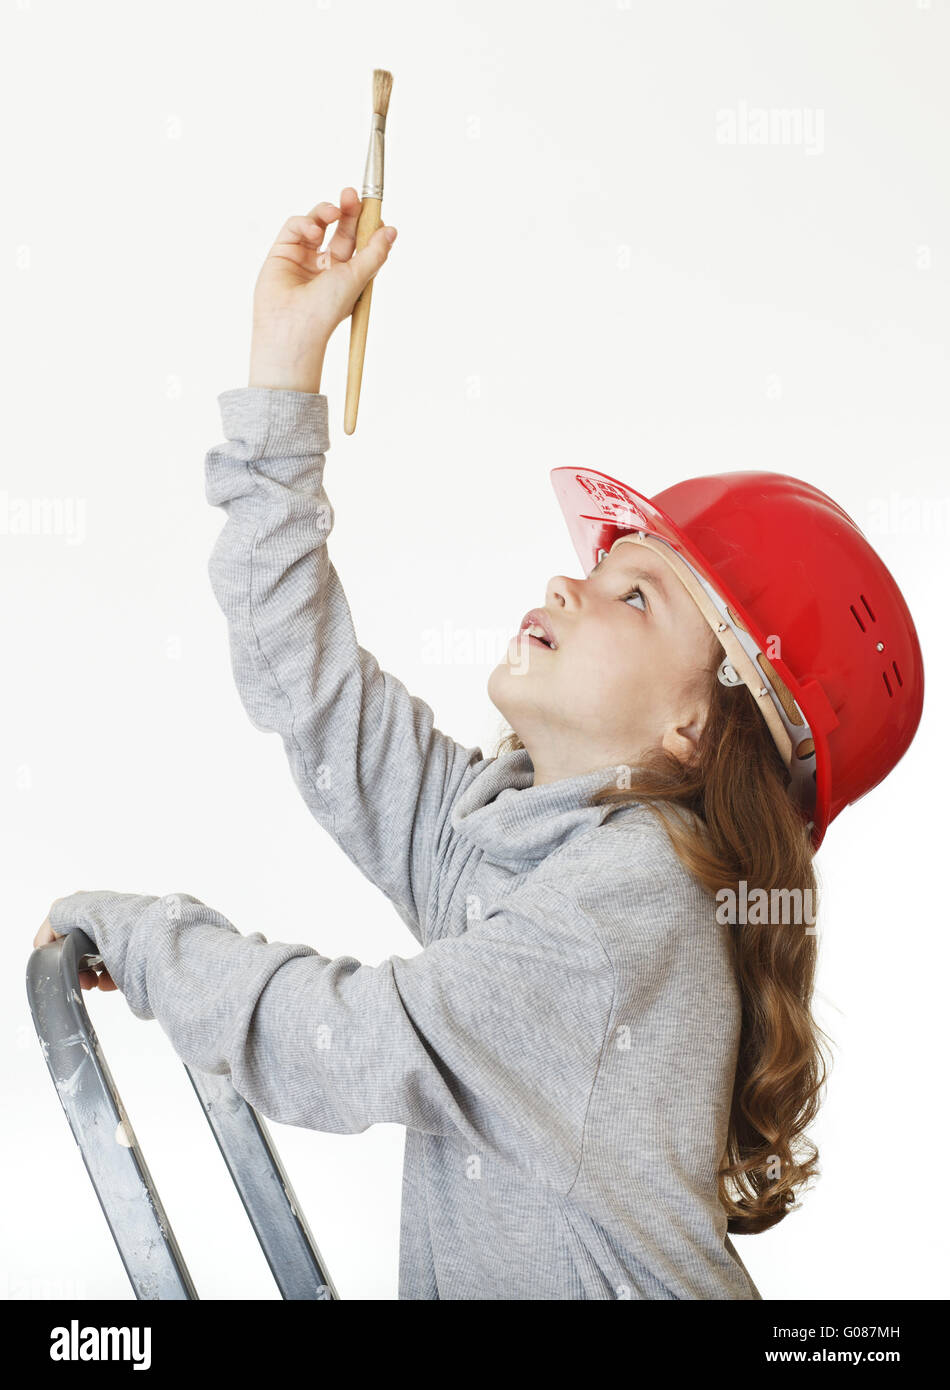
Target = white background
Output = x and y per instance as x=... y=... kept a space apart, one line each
x=586 y=271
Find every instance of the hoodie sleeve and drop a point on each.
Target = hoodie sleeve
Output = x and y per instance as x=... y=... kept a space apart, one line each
x=366 y=758
x=491 y=1039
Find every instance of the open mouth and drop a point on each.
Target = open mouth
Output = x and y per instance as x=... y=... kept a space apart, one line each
x=536 y=634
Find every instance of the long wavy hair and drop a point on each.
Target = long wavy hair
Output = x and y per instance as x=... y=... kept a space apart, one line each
x=733 y=822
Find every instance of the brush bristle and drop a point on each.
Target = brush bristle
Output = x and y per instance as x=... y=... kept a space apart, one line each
x=382 y=86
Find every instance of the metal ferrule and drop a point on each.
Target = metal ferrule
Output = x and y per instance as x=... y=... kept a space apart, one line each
x=373 y=175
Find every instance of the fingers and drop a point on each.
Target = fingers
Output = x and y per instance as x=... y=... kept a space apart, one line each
x=322 y=212
x=366 y=262
x=301 y=238
x=343 y=244
x=45 y=934
x=309 y=231
x=88 y=979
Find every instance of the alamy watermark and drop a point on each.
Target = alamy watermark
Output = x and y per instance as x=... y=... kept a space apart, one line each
x=801 y=126
x=75 y=1343
x=908 y=514
x=767 y=907
x=452 y=645
x=43 y=516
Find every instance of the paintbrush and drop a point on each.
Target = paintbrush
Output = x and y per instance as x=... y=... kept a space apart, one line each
x=369 y=220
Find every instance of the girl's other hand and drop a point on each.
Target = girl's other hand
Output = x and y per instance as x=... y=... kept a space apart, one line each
x=304 y=291
x=88 y=979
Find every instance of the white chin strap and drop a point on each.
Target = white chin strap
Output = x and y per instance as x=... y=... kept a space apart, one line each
x=746 y=664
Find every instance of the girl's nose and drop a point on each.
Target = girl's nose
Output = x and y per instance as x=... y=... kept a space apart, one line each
x=561 y=591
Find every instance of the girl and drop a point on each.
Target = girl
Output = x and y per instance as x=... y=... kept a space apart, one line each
x=605 y=1062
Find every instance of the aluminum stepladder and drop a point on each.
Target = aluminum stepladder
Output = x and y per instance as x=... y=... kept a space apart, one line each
x=116 y=1164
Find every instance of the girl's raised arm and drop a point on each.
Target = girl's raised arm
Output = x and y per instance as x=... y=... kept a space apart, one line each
x=364 y=753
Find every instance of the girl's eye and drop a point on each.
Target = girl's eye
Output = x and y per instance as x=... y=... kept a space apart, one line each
x=638 y=592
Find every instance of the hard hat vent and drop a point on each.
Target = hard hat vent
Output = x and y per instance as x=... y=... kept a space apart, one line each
x=887 y=683
x=857 y=615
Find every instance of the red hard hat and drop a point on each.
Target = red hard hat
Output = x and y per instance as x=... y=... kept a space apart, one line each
x=781 y=559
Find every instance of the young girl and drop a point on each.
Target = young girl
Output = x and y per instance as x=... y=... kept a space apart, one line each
x=604 y=1068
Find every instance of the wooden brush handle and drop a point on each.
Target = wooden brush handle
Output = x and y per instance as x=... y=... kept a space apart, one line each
x=370 y=219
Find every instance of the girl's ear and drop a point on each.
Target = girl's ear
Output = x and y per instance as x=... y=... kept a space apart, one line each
x=681 y=739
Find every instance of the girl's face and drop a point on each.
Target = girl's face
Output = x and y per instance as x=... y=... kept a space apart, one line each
x=626 y=675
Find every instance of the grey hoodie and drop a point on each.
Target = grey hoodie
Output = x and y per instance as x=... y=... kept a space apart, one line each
x=561 y=1049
